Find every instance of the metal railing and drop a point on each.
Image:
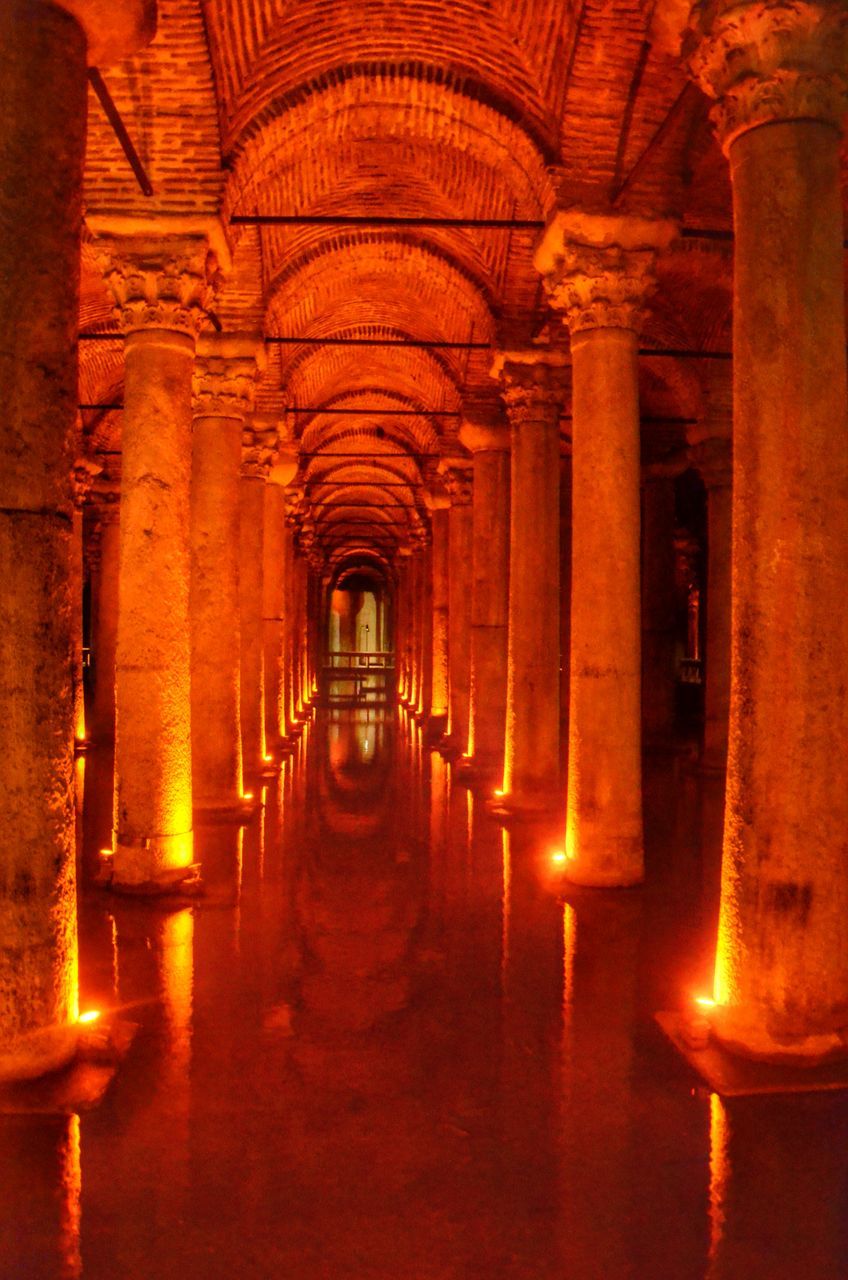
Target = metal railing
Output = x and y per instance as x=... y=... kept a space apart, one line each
x=355 y=661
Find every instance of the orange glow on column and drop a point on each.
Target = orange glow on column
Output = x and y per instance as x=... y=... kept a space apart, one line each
x=719 y=1172
x=70 y=1219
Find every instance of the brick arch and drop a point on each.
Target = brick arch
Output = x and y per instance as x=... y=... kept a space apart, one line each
x=293 y=50
x=320 y=375
x=452 y=132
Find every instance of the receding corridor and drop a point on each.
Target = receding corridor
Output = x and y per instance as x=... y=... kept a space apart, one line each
x=389 y=1043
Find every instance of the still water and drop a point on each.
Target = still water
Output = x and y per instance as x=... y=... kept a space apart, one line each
x=389 y=1045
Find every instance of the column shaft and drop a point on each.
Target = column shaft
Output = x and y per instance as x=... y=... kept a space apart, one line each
x=153 y=795
x=274 y=586
x=459 y=623
x=782 y=962
x=42 y=142
x=440 y=659
x=604 y=822
x=215 y=627
x=489 y=609
x=251 y=544
x=105 y=628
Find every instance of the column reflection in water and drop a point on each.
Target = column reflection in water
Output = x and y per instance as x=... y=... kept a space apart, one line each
x=778 y=1188
x=599 y=1198
x=40 y=1212
x=531 y=1030
x=137 y=1141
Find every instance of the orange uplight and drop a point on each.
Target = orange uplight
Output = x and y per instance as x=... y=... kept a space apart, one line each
x=498 y=792
x=106 y=853
x=559 y=856
x=248 y=795
x=706 y=1002
x=90 y=1015
x=267 y=759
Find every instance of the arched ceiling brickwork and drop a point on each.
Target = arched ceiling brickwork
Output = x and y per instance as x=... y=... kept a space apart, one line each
x=329 y=111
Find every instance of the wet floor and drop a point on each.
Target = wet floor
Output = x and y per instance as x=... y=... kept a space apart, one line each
x=390 y=1045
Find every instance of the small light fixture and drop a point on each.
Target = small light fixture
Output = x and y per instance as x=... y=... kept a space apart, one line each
x=267 y=759
x=498 y=791
x=248 y=795
x=106 y=853
x=559 y=856
x=90 y=1015
x=706 y=1002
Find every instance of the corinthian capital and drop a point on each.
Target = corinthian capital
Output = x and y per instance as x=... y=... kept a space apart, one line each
x=770 y=60
x=534 y=384
x=163 y=274
x=259 y=444
x=226 y=370
x=598 y=269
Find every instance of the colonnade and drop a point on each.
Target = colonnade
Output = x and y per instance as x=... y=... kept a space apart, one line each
x=479 y=622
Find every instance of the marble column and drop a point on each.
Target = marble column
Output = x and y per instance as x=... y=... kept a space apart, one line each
x=277 y=569
x=598 y=271
x=104 y=617
x=161 y=284
x=225 y=373
x=403 y=624
x=488 y=441
x=713 y=458
x=781 y=981
x=425 y=632
x=293 y=495
x=82 y=477
x=256 y=463
x=564 y=586
x=43 y=53
x=658 y=610
x=533 y=388
x=458 y=476
x=439 y=503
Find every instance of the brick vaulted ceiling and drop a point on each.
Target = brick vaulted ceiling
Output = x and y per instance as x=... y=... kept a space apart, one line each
x=441 y=109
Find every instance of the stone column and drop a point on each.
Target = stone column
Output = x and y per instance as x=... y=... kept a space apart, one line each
x=713 y=458
x=598 y=271
x=161 y=285
x=292 y=500
x=403 y=624
x=42 y=146
x=425 y=633
x=81 y=480
x=781 y=982
x=489 y=443
x=564 y=586
x=534 y=390
x=658 y=610
x=257 y=455
x=275 y=589
x=459 y=481
x=439 y=503
x=104 y=616
x=225 y=373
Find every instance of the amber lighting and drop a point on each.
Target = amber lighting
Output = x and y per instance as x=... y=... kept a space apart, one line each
x=706 y=1002
x=106 y=853
x=248 y=795
x=90 y=1015
x=559 y=856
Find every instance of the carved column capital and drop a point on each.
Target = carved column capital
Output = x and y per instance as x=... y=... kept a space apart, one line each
x=534 y=383
x=766 y=61
x=257 y=453
x=598 y=269
x=82 y=478
x=458 y=476
x=226 y=370
x=164 y=282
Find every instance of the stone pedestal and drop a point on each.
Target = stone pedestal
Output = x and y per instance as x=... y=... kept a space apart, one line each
x=224 y=378
x=42 y=144
x=458 y=479
x=781 y=982
x=489 y=444
x=534 y=392
x=598 y=271
x=161 y=286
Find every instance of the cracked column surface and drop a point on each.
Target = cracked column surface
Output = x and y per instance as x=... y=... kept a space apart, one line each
x=161 y=284
x=225 y=374
x=489 y=443
x=43 y=53
x=598 y=271
x=781 y=981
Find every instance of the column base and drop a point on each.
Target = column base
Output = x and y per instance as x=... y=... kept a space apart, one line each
x=739 y=1034
x=239 y=810
x=156 y=866
x=435 y=728
x=515 y=806
x=614 y=863
x=39 y=1053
